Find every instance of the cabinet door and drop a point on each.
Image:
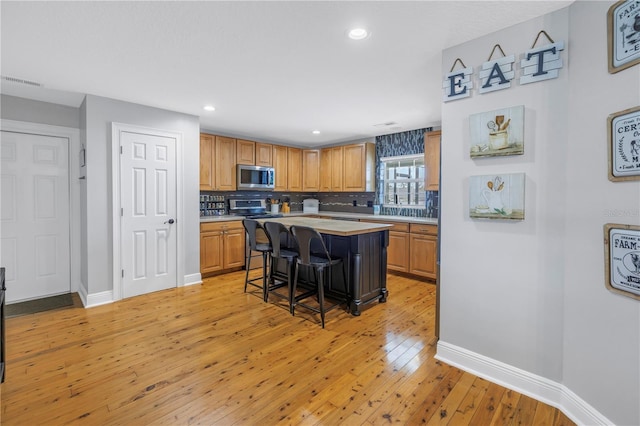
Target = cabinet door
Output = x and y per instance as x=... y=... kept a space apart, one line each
x=206 y=156
x=280 y=166
x=211 y=254
x=337 y=168
x=325 y=169
x=225 y=163
x=263 y=154
x=398 y=251
x=294 y=167
x=423 y=255
x=311 y=170
x=245 y=152
x=432 y=160
x=234 y=244
x=359 y=167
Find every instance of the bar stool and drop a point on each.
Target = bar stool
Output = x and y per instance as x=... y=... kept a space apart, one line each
x=252 y=227
x=318 y=261
x=279 y=237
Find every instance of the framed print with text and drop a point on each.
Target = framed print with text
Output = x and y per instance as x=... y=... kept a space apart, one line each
x=623 y=34
x=622 y=259
x=624 y=144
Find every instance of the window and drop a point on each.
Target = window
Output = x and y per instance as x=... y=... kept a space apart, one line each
x=403 y=181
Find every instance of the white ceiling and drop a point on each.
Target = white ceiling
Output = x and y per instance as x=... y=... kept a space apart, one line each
x=275 y=71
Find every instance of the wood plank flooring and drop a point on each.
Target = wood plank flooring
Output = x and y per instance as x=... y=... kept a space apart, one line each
x=212 y=355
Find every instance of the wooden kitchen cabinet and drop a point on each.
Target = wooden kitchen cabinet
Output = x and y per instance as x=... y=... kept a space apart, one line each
x=423 y=244
x=222 y=246
x=398 y=249
x=412 y=248
x=281 y=167
x=359 y=167
x=245 y=152
x=294 y=169
x=264 y=153
x=311 y=170
x=207 y=143
x=217 y=163
x=225 y=163
x=331 y=169
x=432 y=160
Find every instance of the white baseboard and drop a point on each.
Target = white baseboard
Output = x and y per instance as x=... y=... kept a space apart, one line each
x=192 y=279
x=538 y=387
x=97 y=299
x=82 y=292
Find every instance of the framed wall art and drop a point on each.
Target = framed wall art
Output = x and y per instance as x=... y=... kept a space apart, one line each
x=622 y=259
x=623 y=35
x=623 y=130
x=498 y=196
x=496 y=133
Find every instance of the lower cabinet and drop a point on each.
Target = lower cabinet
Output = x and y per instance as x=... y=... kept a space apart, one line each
x=423 y=250
x=222 y=246
x=412 y=248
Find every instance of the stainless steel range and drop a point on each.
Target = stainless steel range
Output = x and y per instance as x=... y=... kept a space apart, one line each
x=251 y=209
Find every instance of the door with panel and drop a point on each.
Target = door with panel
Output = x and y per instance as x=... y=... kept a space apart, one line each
x=35 y=215
x=149 y=206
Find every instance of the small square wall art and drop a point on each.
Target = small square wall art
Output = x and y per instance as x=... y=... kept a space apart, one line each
x=498 y=196
x=496 y=133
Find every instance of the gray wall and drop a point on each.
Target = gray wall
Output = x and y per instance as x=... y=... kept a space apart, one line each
x=100 y=113
x=531 y=294
x=21 y=109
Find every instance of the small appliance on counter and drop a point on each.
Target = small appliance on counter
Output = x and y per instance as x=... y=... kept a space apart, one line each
x=310 y=205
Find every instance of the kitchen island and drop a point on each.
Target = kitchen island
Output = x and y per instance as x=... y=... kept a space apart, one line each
x=363 y=247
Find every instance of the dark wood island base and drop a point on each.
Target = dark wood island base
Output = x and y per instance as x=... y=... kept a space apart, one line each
x=363 y=247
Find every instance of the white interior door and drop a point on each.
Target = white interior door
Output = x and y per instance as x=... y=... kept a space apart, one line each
x=148 y=201
x=35 y=215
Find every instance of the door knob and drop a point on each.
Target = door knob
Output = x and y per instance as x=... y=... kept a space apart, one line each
x=170 y=221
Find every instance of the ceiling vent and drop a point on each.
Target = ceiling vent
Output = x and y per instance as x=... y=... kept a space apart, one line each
x=20 y=81
x=387 y=124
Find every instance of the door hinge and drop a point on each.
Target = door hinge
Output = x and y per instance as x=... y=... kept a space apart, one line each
x=121 y=211
x=123 y=273
x=120 y=150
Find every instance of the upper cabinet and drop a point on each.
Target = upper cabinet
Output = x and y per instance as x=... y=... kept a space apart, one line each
x=432 y=160
x=245 y=152
x=280 y=166
x=225 y=163
x=346 y=168
x=264 y=153
x=217 y=163
x=311 y=170
x=294 y=168
x=331 y=169
x=359 y=167
x=207 y=143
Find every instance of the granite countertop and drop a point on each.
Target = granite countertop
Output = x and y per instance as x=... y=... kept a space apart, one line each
x=337 y=215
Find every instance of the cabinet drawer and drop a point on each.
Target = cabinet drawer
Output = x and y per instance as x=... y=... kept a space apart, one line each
x=397 y=226
x=417 y=228
x=221 y=226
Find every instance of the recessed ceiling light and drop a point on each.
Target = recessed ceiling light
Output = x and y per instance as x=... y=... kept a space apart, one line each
x=316 y=132
x=358 y=34
x=209 y=108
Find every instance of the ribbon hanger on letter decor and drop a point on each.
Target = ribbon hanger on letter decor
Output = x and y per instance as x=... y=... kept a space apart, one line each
x=541 y=63
x=497 y=74
x=457 y=84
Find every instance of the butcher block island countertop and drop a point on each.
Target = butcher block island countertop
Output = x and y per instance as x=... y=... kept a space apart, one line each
x=331 y=227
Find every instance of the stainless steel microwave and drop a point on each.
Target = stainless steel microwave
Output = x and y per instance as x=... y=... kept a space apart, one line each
x=255 y=177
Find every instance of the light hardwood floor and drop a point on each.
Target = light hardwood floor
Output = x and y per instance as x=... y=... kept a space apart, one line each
x=211 y=354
